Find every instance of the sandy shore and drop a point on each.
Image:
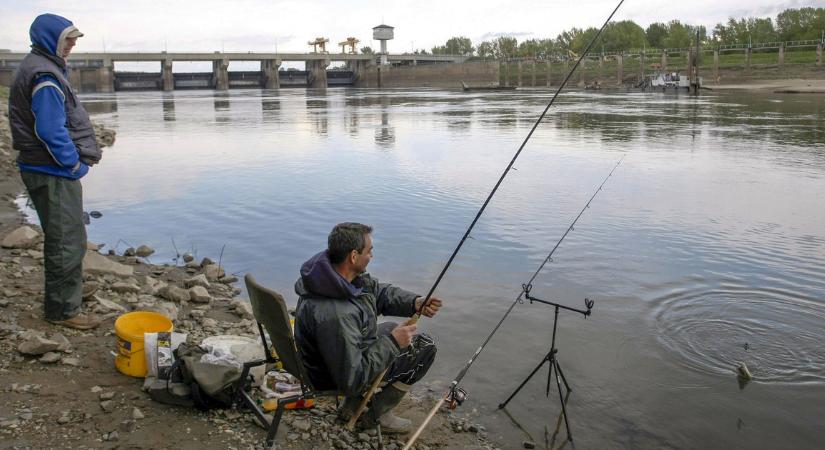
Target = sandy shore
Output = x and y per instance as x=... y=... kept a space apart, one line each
x=73 y=397
x=791 y=86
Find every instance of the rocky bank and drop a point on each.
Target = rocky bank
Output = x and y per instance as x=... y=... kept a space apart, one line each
x=60 y=389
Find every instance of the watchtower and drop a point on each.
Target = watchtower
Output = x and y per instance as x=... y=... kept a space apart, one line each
x=383 y=33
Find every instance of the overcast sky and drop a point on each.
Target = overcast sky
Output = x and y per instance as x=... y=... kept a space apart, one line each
x=257 y=25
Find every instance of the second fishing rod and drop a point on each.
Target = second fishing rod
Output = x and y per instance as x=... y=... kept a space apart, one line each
x=368 y=395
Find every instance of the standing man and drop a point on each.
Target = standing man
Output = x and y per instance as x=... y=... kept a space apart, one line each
x=339 y=339
x=56 y=141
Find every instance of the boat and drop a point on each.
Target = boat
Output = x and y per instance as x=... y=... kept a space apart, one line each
x=493 y=87
x=669 y=80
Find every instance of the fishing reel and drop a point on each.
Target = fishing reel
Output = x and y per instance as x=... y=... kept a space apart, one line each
x=456 y=397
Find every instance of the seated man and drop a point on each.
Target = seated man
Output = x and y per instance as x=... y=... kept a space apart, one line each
x=337 y=332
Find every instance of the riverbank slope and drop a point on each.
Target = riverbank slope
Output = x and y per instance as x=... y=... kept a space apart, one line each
x=70 y=395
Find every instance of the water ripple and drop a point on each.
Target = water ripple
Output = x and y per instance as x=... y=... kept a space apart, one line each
x=776 y=332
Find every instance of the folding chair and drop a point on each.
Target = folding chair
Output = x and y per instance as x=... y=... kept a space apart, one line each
x=270 y=312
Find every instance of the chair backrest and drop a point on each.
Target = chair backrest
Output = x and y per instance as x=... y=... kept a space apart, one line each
x=270 y=310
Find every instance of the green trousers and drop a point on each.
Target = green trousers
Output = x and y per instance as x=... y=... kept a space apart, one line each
x=59 y=205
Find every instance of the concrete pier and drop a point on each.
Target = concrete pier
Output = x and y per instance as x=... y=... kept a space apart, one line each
x=166 y=75
x=269 y=71
x=506 y=73
x=620 y=61
x=520 y=68
x=819 y=55
x=548 y=72
x=641 y=66
x=533 y=73
x=716 y=66
x=318 y=73
x=220 y=74
x=664 y=61
x=782 y=55
x=748 y=54
x=106 y=76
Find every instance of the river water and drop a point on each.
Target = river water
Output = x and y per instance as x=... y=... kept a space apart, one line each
x=705 y=249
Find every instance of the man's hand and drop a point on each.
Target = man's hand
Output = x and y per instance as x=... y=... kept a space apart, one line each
x=404 y=333
x=432 y=306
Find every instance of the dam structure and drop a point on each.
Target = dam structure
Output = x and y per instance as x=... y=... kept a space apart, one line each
x=95 y=72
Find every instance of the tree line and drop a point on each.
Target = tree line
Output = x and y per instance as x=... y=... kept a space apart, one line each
x=789 y=25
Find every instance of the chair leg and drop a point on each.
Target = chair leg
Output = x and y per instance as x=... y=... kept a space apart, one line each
x=247 y=401
x=380 y=438
x=273 y=428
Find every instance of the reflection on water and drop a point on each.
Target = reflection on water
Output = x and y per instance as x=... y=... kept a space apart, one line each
x=706 y=248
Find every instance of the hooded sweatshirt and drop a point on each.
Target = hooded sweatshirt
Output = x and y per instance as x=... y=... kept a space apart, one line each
x=336 y=326
x=38 y=106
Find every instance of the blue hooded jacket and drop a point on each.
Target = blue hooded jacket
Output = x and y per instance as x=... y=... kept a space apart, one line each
x=48 y=36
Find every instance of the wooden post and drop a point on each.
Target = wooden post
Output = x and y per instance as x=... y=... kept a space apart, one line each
x=641 y=66
x=548 y=73
x=620 y=60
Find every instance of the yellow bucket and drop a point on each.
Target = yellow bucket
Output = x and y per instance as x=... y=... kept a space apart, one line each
x=129 y=329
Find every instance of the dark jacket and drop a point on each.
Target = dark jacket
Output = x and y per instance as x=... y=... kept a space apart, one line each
x=50 y=128
x=336 y=326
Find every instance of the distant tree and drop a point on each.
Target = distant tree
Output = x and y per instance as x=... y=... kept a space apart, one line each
x=460 y=46
x=506 y=47
x=743 y=31
x=623 y=35
x=529 y=48
x=800 y=24
x=486 y=49
x=367 y=50
x=656 y=33
x=581 y=40
x=679 y=35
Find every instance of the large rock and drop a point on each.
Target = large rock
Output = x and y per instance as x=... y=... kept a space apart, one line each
x=97 y=264
x=22 y=237
x=168 y=309
x=197 y=280
x=144 y=251
x=213 y=272
x=242 y=308
x=199 y=294
x=35 y=344
x=110 y=305
x=174 y=294
x=126 y=288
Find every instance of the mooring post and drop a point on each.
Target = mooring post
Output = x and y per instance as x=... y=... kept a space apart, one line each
x=548 y=73
x=641 y=66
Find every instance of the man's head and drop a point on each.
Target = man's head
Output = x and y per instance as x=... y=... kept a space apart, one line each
x=55 y=34
x=349 y=246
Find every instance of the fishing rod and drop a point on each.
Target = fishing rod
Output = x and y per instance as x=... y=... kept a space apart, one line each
x=368 y=395
x=455 y=396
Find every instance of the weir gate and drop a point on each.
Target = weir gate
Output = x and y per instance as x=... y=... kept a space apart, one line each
x=94 y=72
